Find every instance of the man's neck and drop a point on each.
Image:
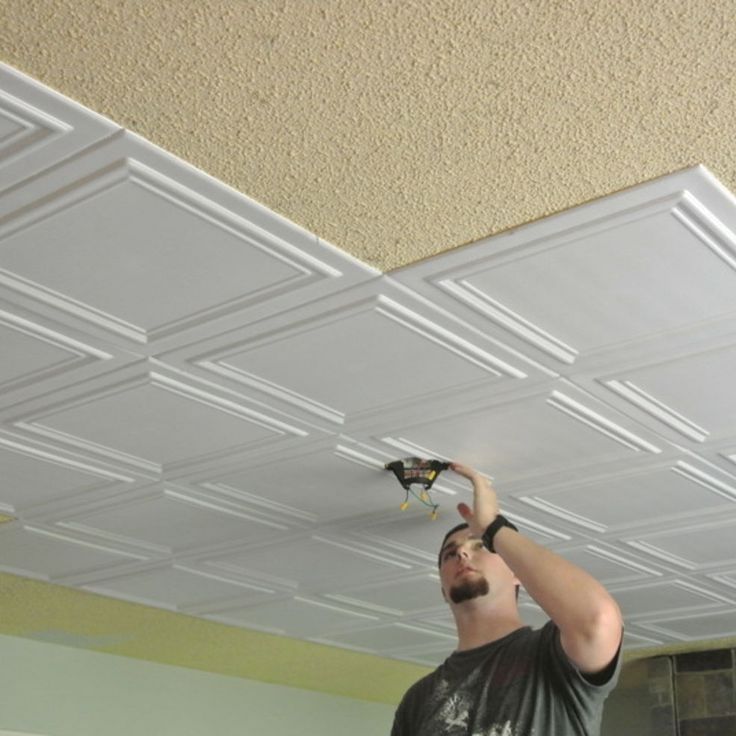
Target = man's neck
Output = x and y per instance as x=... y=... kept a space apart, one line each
x=477 y=624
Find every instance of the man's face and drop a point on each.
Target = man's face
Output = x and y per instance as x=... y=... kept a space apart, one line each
x=468 y=570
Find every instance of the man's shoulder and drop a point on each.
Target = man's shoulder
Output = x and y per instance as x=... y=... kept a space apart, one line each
x=425 y=685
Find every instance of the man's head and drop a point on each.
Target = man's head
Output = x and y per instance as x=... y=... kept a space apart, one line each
x=468 y=569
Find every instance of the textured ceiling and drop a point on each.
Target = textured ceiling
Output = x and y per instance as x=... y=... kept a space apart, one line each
x=397 y=130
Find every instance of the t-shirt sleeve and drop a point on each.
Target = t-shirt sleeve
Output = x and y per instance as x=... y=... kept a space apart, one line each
x=404 y=715
x=583 y=694
x=399 y=727
x=605 y=680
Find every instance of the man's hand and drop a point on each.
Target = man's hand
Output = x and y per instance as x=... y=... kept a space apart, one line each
x=485 y=501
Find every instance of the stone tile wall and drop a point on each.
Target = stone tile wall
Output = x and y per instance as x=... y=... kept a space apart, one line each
x=705 y=693
x=690 y=694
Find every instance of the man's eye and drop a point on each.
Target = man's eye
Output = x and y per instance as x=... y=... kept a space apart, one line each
x=448 y=554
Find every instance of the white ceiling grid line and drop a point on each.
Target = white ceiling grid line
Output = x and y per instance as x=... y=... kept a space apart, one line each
x=197 y=397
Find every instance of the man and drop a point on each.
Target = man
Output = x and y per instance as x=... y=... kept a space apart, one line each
x=505 y=679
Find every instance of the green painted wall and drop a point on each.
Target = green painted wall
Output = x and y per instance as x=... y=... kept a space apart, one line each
x=56 y=690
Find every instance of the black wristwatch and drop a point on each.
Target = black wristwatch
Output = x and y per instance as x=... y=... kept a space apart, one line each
x=498 y=523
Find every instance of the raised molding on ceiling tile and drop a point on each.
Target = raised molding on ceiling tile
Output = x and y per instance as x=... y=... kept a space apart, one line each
x=659 y=628
x=661 y=554
x=723 y=578
x=703 y=479
x=549 y=508
x=381 y=305
x=51 y=127
x=348 y=453
x=465 y=292
x=707 y=228
x=222 y=508
x=176 y=498
x=445 y=339
x=610 y=556
x=113 y=539
x=414 y=450
x=686 y=585
x=541 y=529
x=35 y=128
x=82 y=354
x=329 y=607
x=36 y=453
x=361 y=551
x=308 y=268
x=30 y=424
x=583 y=414
x=398 y=547
x=230 y=580
x=658 y=410
x=366 y=605
x=261 y=501
x=273 y=389
x=227 y=220
x=254 y=578
x=84 y=543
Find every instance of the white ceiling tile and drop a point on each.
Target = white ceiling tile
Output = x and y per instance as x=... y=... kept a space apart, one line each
x=173 y=521
x=39 y=127
x=129 y=418
x=299 y=617
x=533 y=435
x=614 y=271
x=365 y=345
x=387 y=639
x=183 y=261
x=397 y=349
x=416 y=537
x=33 y=476
x=726 y=578
x=32 y=352
x=692 y=546
x=693 y=627
x=47 y=554
x=637 y=641
x=609 y=566
x=403 y=596
x=664 y=597
x=682 y=393
x=311 y=563
x=126 y=213
x=176 y=587
x=328 y=483
x=630 y=499
x=598 y=266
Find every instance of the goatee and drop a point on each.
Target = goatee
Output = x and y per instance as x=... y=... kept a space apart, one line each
x=469 y=589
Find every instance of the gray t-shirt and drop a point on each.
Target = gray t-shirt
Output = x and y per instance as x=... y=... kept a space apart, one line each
x=520 y=685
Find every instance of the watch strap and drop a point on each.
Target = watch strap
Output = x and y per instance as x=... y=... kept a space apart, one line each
x=498 y=523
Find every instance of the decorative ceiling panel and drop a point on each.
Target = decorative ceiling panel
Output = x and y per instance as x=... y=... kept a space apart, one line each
x=39 y=127
x=295 y=616
x=178 y=588
x=198 y=398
